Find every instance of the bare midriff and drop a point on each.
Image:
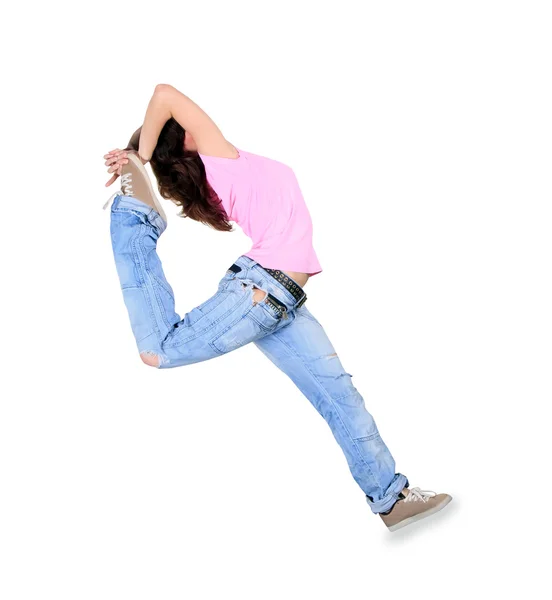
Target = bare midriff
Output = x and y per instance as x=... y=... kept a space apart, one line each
x=299 y=278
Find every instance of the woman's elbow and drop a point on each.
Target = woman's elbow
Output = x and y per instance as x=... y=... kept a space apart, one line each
x=162 y=88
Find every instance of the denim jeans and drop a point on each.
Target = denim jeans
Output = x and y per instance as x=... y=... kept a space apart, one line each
x=295 y=341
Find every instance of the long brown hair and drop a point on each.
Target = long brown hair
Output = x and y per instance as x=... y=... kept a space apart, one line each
x=181 y=177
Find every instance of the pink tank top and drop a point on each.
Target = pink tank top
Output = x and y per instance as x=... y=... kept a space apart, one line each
x=263 y=197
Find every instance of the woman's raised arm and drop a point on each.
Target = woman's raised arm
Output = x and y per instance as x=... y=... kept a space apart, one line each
x=168 y=102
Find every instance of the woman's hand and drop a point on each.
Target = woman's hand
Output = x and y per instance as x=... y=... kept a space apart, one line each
x=115 y=159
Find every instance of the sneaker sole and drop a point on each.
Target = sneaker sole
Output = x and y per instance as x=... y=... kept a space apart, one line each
x=138 y=163
x=421 y=516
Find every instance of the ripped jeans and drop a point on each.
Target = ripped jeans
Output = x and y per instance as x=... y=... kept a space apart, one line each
x=295 y=341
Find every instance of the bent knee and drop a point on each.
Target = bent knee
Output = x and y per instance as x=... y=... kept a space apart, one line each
x=150 y=359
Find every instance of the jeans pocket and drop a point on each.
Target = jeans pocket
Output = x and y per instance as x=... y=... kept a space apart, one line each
x=253 y=323
x=239 y=333
x=266 y=316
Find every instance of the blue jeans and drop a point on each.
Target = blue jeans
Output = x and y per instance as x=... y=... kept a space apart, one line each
x=296 y=342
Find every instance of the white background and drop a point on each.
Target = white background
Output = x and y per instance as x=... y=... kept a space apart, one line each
x=421 y=136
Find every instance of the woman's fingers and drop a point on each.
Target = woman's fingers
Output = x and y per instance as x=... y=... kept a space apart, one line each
x=116 y=164
x=116 y=170
x=116 y=151
x=115 y=159
x=115 y=154
x=111 y=180
x=111 y=155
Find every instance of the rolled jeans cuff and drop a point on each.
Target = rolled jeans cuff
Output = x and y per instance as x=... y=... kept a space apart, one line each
x=151 y=215
x=392 y=493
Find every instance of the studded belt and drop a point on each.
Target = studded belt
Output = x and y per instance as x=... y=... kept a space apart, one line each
x=295 y=290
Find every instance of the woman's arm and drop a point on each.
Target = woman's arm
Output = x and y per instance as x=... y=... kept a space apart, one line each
x=168 y=102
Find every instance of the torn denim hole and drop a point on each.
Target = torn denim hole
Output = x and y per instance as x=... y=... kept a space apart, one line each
x=255 y=288
x=152 y=359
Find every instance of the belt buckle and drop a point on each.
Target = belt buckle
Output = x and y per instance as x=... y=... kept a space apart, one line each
x=301 y=302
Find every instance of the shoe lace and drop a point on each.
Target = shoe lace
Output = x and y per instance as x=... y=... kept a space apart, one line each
x=417 y=495
x=125 y=190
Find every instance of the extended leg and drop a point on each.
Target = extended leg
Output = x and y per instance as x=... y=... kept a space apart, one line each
x=231 y=318
x=303 y=351
x=135 y=229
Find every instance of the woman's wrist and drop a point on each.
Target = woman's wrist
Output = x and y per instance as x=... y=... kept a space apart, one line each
x=129 y=148
x=142 y=159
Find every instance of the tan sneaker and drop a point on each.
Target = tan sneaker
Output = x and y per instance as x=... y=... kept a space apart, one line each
x=135 y=182
x=414 y=504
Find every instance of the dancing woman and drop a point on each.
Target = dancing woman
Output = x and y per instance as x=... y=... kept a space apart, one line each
x=260 y=298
